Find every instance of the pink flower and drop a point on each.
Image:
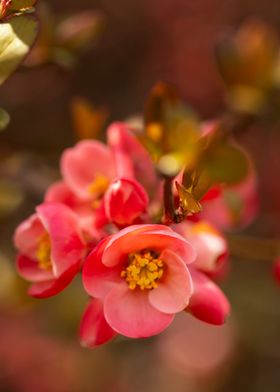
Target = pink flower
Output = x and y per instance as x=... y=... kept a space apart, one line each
x=91 y=171
x=141 y=276
x=210 y=245
x=51 y=249
x=125 y=201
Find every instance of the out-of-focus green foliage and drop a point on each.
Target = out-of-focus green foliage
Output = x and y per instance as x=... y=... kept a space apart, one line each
x=223 y=162
x=171 y=130
x=62 y=39
x=249 y=63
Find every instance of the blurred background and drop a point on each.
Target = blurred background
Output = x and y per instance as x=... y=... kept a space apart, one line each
x=136 y=44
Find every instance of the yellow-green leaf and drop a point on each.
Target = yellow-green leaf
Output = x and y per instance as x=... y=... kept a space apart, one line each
x=226 y=163
x=188 y=202
x=16 y=37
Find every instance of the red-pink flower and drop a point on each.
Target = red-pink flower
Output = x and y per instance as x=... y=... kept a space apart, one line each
x=91 y=171
x=141 y=276
x=51 y=249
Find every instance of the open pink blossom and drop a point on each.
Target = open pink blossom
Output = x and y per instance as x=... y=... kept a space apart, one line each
x=51 y=249
x=91 y=171
x=141 y=276
x=210 y=245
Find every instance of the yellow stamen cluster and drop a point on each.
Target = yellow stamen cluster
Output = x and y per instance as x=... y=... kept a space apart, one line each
x=99 y=185
x=44 y=253
x=144 y=270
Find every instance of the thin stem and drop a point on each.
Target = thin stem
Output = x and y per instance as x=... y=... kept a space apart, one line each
x=168 y=197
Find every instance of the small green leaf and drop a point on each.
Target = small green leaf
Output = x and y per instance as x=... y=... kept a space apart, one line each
x=188 y=202
x=226 y=163
x=16 y=37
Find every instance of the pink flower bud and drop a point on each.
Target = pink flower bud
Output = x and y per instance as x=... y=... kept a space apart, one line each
x=125 y=201
x=208 y=303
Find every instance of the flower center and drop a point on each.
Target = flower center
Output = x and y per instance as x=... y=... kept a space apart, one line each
x=144 y=270
x=99 y=185
x=44 y=253
x=97 y=188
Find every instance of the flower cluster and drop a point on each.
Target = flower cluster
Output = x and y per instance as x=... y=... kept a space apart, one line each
x=103 y=219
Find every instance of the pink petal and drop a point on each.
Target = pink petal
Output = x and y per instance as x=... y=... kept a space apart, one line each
x=139 y=237
x=208 y=303
x=209 y=243
x=121 y=138
x=90 y=219
x=55 y=286
x=29 y=269
x=59 y=192
x=98 y=279
x=210 y=249
x=81 y=164
x=175 y=288
x=125 y=200
x=67 y=244
x=28 y=234
x=130 y=314
x=94 y=329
